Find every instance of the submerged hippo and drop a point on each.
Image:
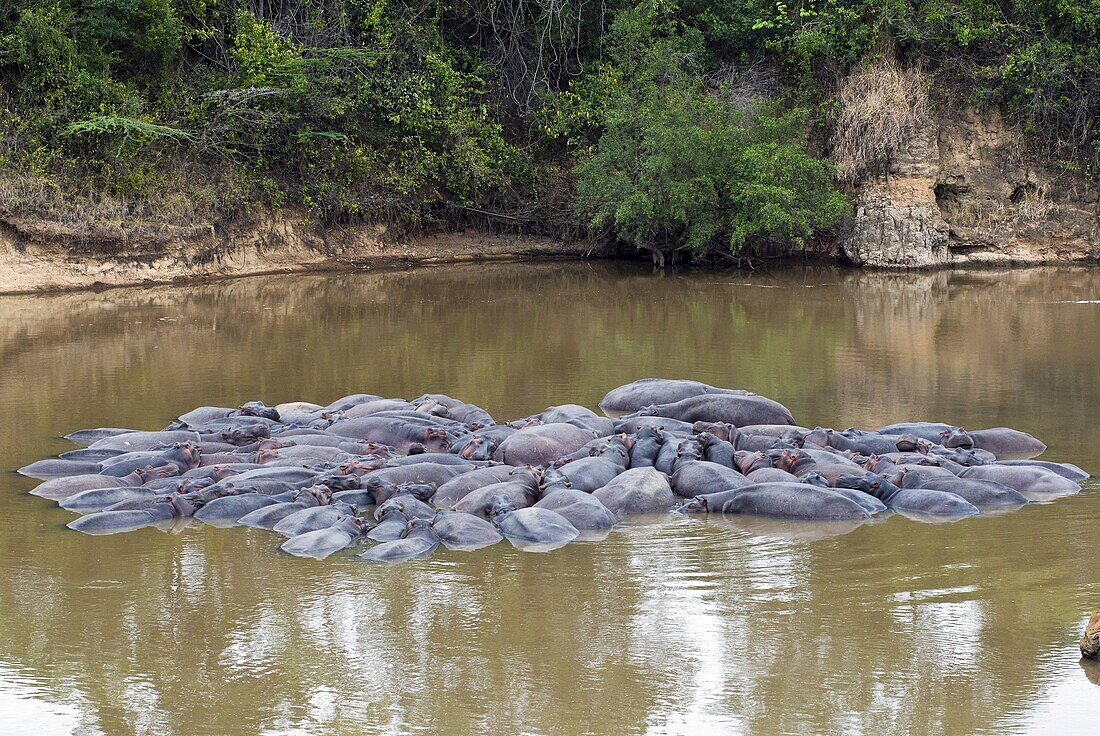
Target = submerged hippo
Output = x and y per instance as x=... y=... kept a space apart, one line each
x=983 y=494
x=341 y=533
x=457 y=488
x=1007 y=443
x=542 y=527
x=114 y=522
x=312 y=519
x=637 y=491
x=582 y=510
x=780 y=501
x=696 y=477
x=466 y=532
x=1033 y=482
x=419 y=539
x=541 y=444
x=919 y=501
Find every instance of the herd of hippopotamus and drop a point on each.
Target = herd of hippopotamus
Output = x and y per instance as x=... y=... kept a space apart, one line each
x=412 y=475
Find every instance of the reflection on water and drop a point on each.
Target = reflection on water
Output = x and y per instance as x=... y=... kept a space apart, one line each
x=684 y=626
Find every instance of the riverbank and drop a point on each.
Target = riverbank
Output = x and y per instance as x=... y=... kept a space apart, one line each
x=43 y=256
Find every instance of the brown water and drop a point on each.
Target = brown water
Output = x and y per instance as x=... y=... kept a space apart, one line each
x=687 y=626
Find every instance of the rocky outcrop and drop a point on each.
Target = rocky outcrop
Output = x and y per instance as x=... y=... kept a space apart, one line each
x=961 y=193
x=48 y=256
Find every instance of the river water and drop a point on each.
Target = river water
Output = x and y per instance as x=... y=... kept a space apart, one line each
x=724 y=626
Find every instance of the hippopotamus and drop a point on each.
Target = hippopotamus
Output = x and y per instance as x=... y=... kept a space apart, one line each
x=747 y=462
x=916 y=501
x=633 y=396
x=870 y=504
x=1033 y=482
x=58 y=489
x=376 y=487
x=675 y=451
x=580 y=509
x=735 y=409
x=372 y=407
x=771 y=475
x=541 y=444
x=257 y=409
x=518 y=492
x=937 y=433
x=113 y=522
x=341 y=533
x=395 y=513
x=775 y=431
x=863 y=442
x=204 y=415
x=419 y=539
x=87 y=437
x=400 y=433
x=1068 y=471
x=543 y=527
x=1007 y=443
x=615 y=448
x=53 y=468
x=633 y=424
x=313 y=518
x=225 y=511
x=345 y=403
x=983 y=494
x=647 y=444
x=184 y=455
x=696 y=477
x=578 y=416
x=637 y=491
x=89 y=455
x=268 y=516
x=781 y=501
x=717 y=450
x=455 y=489
x=589 y=473
x=466 y=532
x=98 y=499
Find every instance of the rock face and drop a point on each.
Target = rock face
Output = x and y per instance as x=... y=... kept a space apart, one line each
x=960 y=193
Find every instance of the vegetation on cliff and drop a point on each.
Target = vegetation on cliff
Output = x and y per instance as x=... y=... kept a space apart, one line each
x=696 y=127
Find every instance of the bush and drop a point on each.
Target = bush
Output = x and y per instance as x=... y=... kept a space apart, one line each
x=676 y=170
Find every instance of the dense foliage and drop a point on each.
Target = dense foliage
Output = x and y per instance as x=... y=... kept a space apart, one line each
x=693 y=125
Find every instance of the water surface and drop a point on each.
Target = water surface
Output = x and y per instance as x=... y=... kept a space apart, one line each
x=723 y=626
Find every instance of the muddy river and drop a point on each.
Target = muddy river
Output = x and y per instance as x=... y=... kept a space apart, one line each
x=690 y=625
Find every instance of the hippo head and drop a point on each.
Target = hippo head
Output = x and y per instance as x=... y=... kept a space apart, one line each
x=267 y=455
x=815 y=479
x=478 y=448
x=820 y=436
x=184 y=506
x=246 y=434
x=351 y=524
x=912 y=443
x=421 y=491
x=220 y=472
x=750 y=461
x=336 y=481
x=151 y=472
x=186 y=454
x=794 y=437
x=420 y=528
x=956 y=437
x=257 y=409
x=690 y=449
x=697 y=505
x=866 y=483
x=499 y=506
x=391 y=507
x=436 y=440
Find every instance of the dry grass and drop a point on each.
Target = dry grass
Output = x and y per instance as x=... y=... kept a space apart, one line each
x=881 y=105
x=1033 y=206
x=85 y=208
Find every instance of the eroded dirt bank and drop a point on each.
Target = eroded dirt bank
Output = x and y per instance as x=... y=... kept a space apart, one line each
x=44 y=256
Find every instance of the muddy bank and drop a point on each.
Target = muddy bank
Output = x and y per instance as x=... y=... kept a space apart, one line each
x=40 y=256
